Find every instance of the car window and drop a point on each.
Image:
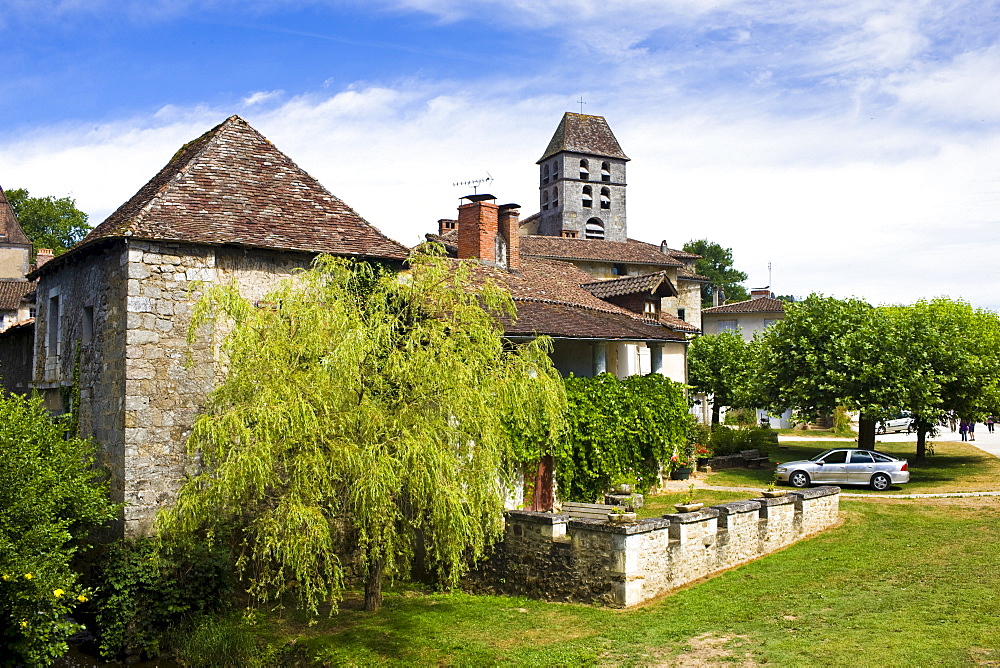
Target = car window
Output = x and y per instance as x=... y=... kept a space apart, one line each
x=836 y=457
x=879 y=457
x=861 y=457
x=822 y=455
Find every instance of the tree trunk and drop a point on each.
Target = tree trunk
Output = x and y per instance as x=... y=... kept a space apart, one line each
x=715 y=411
x=866 y=433
x=373 y=585
x=922 y=428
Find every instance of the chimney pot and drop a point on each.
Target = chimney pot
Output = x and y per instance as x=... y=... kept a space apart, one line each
x=42 y=256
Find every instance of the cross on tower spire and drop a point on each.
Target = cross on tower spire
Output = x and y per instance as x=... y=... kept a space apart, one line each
x=581 y=103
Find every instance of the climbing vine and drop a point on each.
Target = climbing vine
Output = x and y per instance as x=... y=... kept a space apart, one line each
x=618 y=429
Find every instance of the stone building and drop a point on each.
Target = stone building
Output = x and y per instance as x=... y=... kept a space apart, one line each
x=582 y=219
x=747 y=317
x=113 y=312
x=15 y=259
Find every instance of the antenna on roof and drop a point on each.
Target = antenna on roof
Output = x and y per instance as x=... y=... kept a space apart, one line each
x=769 y=284
x=475 y=183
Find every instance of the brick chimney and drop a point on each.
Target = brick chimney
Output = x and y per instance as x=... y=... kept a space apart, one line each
x=761 y=292
x=42 y=256
x=446 y=225
x=509 y=228
x=477 y=228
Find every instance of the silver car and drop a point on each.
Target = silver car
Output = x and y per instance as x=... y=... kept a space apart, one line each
x=846 y=466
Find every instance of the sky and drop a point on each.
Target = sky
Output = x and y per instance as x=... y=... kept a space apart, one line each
x=851 y=146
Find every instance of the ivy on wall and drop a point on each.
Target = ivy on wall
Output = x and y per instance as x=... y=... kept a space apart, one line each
x=618 y=429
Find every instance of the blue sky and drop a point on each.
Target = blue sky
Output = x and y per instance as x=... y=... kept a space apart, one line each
x=853 y=145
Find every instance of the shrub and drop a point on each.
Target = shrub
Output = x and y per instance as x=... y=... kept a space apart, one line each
x=730 y=441
x=232 y=639
x=51 y=499
x=147 y=588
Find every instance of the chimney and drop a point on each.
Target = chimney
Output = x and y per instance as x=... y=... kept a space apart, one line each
x=477 y=228
x=42 y=256
x=664 y=247
x=446 y=225
x=761 y=292
x=715 y=295
x=509 y=228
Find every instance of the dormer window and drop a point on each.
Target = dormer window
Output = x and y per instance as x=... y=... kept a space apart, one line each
x=605 y=198
x=588 y=197
x=595 y=229
x=584 y=170
x=650 y=308
x=545 y=174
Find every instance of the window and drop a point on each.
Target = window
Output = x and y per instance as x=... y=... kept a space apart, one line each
x=605 y=198
x=619 y=270
x=555 y=198
x=53 y=326
x=727 y=325
x=545 y=174
x=836 y=457
x=861 y=457
x=768 y=323
x=595 y=229
x=569 y=234
x=606 y=171
x=555 y=171
x=681 y=313
x=588 y=197
x=88 y=325
x=584 y=170
x=545 y=200
x=649 y=308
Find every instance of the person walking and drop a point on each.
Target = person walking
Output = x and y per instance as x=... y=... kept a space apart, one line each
x=952 y=420
x=963 y=429
x=972 y=430
x=990 y=421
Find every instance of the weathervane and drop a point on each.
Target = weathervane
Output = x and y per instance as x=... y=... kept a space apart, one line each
x=475 y=183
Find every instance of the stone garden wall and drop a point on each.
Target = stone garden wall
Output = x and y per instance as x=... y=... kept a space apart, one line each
x=552 y=557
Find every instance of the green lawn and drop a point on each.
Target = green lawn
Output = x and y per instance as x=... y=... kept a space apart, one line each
x=954 y=467
x=899 y=583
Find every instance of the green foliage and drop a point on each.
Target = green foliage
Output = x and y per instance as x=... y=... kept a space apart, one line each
x=716 y=263
x=732 y=440
x=232 y=639
x=145 y=588
x=49 y=222
x=619 y=428
x=722 y=365
x=51 y=499
x=361 y=408
x=842 y=422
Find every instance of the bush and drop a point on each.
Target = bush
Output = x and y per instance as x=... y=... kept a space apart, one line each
x=51 y=499
x=147 y=588
x=731 y=441
x=619 y=429
x=233 y=639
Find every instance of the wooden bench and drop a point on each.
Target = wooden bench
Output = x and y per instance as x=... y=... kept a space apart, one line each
x=587 y=511
x=754 y=458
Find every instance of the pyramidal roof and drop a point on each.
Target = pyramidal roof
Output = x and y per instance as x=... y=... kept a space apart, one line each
x=10 y=229
x=232 y=186
x=582 y=133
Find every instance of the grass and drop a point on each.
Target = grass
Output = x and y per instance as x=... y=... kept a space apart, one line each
x=899 y=583
x=954 y=467
x=810 y=433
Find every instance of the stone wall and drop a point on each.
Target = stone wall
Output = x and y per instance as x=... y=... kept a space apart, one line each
x=15 y=358
x=553 y=557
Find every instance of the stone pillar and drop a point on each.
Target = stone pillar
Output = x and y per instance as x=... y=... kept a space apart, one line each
x=656 y=358
x=600 y=357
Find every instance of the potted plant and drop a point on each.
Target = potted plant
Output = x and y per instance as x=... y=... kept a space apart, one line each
x=621 y=515
x=680 y=466
x=770 y=492
x=702 y=454
x=688 y=504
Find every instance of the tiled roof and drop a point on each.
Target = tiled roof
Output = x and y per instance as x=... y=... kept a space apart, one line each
x=691 y=276
x=12 y=292
x=673 y=322
x=550 y=301
x=595 y=250
x=656 y=283
x=682 y=255
x=583 y=133
x=755 y=305
x=10 y=230
x=232 y=186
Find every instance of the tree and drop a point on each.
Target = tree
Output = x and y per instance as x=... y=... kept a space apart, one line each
x=716 y=263
x=721 y=365
x=367 y=409
x=828 y=353
x=49 y=222
x=952 y=354
x=51 y=499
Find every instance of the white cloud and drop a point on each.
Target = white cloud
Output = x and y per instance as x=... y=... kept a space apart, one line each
x=261 y=96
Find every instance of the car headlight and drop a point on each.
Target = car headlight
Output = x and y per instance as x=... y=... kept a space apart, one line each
x=781 y=469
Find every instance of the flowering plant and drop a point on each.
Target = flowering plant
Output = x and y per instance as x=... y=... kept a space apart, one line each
x=679 y=461
x=701 y=451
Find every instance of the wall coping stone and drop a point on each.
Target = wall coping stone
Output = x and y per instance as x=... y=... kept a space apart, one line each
x=815 y=492
x=536 y=517
x=691 y=518
x=639 y=526
x=734 y=507
x=777 y=501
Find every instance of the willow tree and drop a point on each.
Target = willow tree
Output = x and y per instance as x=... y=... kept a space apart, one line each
x=363 y=413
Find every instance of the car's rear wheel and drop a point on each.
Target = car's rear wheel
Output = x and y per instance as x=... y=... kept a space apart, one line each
x=799 y=479
x=881 y=482
x=880 y=428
